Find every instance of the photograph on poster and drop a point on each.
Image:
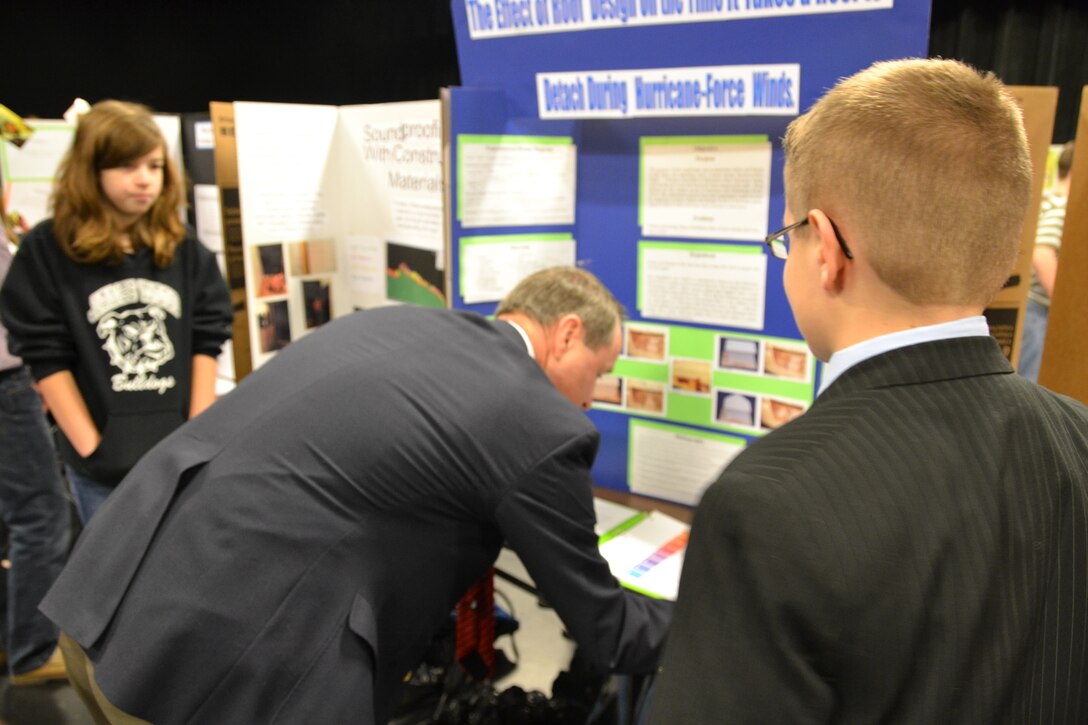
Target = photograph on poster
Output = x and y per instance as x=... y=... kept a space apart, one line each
x=786 y=360
x=273 y=325
x=646 y=343
x=268 y=270
x=737 y=409
x=737 y=353
x=317 y=301
x=316 y=257
x=646 y=397
x=776 y=412
x=691 y=376
x=608 y=390
x=412 y=275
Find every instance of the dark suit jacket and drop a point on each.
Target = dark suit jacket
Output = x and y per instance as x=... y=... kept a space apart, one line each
x=910 y=550
x=287 y=555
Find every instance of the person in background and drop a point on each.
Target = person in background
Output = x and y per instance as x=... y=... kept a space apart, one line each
x=289 y=555
x=34 y=509
x=118 y=310
x=914 y=547
x=1044 y=267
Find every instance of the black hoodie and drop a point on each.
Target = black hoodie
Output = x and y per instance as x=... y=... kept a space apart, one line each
x=128 y=334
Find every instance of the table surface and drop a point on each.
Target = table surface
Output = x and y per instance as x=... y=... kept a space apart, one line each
x=645 y=503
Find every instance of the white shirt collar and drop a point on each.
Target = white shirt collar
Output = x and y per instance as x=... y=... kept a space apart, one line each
x=524 y=336
x=848 y=357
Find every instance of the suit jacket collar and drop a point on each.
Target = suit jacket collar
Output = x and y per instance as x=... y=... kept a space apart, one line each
x=927 y=362
x=508 y=331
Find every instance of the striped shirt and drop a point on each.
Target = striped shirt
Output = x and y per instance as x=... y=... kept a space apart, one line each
x=1048 y=233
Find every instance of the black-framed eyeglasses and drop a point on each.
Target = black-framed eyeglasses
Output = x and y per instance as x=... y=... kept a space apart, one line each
x=779 y=242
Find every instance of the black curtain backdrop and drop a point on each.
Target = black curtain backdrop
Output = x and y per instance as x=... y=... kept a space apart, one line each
x=177 y=55
x=1025 y=42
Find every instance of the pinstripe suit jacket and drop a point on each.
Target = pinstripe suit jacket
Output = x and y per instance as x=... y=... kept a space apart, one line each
x=913 y=549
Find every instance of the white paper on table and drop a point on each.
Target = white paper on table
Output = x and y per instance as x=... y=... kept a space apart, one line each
x=610 y=514
x=649 y=556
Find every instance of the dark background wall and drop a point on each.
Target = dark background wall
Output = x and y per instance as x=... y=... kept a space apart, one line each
x=176 y=55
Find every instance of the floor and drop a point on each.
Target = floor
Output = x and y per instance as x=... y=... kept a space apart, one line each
x=538 y=648
x=49 y=704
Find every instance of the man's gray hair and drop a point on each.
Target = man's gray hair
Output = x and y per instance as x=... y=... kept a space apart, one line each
x=547 y=295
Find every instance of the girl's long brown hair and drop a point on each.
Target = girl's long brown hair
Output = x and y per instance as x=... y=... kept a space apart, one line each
x=112 y=134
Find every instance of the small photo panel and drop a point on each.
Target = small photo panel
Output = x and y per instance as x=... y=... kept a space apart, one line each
x=646 y=343
x=776 y=412
x=608 y=390
x=735 y=408
x=691 y=376
x=268 y=270
x=307 y=258
x=317 y=301
x=647 y=397
x=273 y=326
x=786 y=360
x=738 y=353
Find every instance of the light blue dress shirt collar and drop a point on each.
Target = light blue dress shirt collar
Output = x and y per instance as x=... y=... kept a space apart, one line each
x=848 y=357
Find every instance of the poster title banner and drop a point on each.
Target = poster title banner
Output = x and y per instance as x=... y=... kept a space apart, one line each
x=726 y=90
x=501 y=18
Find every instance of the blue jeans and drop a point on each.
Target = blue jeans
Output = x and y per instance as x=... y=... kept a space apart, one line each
x=34 y=507
x=1031 y=342
x=89 y=494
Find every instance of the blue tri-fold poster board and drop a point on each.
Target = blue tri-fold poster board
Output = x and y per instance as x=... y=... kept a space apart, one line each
x=641 y=139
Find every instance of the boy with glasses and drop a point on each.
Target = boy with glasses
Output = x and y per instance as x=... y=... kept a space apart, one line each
x=914 y=547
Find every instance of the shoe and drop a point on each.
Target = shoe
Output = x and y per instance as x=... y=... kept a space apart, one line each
x=51 y=671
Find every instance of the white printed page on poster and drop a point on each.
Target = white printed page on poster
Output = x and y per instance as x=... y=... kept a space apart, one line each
x=713 y=187
x=491 y=266
x=391 y=190
x=713 y=284
x=365 y=256
x=285 y=170
x=507 y=181
x=676 y=463
x=28 y=171
x=723 y=90
x=501 y=18
x=393 y=183
x=209 y=219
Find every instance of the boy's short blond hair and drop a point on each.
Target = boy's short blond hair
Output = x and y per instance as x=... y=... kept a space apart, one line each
x=924 y=166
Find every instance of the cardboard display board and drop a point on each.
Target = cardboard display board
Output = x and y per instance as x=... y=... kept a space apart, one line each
x=1006 y=312
x=328 y=209
x=641 y=141
x=226 y=178
x=1066 y=350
